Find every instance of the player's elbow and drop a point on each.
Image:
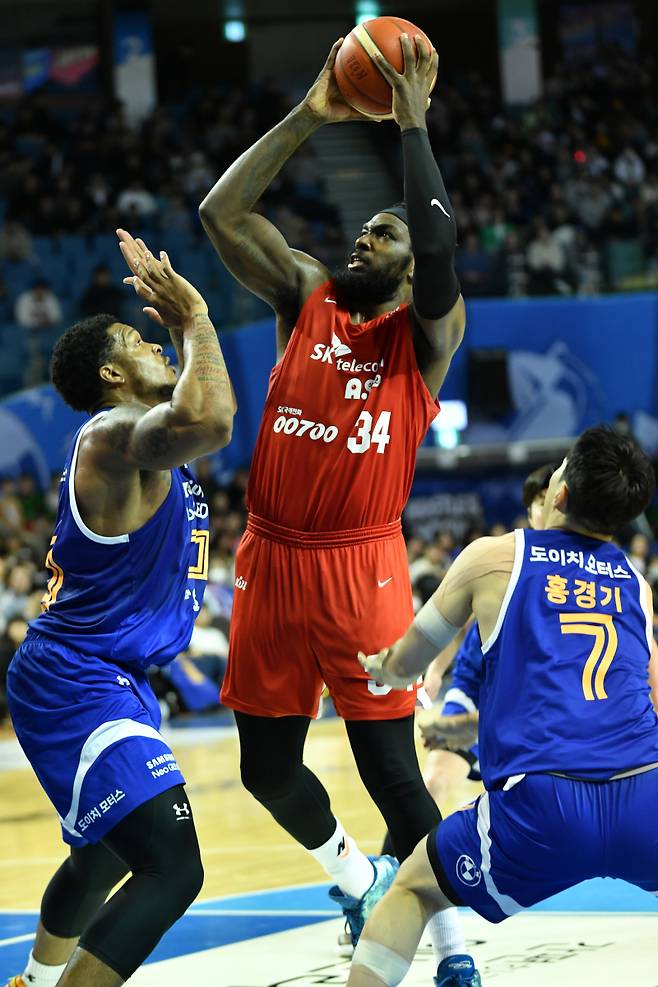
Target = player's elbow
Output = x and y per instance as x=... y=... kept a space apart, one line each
x=223 y=433
x=216 y=213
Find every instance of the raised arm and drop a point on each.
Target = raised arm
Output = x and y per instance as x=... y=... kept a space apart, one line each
x=250 y=246
x=438 y=308
x=198 y=418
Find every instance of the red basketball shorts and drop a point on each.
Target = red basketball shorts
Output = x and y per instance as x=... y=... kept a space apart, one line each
x=304 y=604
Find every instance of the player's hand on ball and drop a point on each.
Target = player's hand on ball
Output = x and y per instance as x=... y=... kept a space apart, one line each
x=411 y=87
x=324 y=98
x=380 y=667
x=171 y=298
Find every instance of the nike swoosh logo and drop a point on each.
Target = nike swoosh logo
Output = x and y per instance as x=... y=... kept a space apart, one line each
x=384 y=582
x=435 y=202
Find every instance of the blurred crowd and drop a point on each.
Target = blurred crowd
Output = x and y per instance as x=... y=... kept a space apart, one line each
x=191 y=684
x=561 y=197
x=89 y=172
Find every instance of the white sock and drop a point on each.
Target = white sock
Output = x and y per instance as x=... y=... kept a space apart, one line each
x=343 y=861
x=39 y=975
x=446 y=933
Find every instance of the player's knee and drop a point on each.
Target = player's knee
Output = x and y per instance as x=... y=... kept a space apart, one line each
x=179 y=881
x=267 y=782
x=187 y=881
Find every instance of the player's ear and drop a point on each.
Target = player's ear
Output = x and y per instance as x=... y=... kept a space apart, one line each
x=561 y=499
x=410 y=271
x=110 y=374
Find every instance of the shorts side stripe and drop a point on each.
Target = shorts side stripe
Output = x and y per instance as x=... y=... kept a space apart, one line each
x=506 y=904
x=96 y=743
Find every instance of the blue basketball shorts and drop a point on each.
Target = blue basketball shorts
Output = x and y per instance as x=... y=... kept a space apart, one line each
x=90 y=730
x=542 y=834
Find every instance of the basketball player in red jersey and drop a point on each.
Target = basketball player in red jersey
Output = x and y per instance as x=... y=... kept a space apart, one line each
x=362 y=354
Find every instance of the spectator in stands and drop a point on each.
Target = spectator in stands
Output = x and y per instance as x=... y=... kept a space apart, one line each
x=102 y=294
x=38 y=307
x=547 y=264
x=15 y=594
x=629 y=167
x=30 y=498
x=474 y=268
x=136 y=200
x=15 y=243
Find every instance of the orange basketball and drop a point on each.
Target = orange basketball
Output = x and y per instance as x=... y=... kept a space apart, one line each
x=361 y=83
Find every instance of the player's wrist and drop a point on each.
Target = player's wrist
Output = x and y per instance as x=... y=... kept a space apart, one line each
x=310 y=114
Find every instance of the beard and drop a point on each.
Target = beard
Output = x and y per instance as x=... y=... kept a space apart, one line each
x=361 y=290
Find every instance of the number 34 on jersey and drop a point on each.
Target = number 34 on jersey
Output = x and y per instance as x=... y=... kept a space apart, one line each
x=369 y=432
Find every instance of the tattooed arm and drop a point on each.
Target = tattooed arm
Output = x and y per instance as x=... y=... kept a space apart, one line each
x=198 y=418
x=251 y=247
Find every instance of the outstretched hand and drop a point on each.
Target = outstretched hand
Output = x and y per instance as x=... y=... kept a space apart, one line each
x=381 y=668
x=411 y=87
x=171 y=298
x=324 y=98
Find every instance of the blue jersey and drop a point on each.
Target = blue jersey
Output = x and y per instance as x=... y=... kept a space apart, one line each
x=565 y=673
x=131 y=599
x=464 y=692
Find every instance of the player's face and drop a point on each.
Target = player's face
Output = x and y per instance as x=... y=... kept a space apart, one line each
x=536 y=511
x=380 y=263
x=383 y=244
x=551 y=491
x=146 y=369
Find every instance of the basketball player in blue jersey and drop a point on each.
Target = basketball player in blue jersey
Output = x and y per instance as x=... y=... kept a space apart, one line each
x=451 y=731
x=128 y=562
x=568 y=734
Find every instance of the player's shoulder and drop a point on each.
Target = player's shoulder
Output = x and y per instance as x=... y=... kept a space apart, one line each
x=488 y=554
x=311 y=273
x=107 y=435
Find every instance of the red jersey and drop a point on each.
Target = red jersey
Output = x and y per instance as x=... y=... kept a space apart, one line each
x=345 y=411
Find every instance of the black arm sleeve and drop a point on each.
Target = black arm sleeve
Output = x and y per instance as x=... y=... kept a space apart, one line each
x=432 y=228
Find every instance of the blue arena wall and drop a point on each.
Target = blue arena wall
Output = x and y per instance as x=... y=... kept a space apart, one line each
x=572 y=362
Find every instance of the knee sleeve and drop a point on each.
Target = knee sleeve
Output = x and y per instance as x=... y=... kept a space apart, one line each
x=385 y=755
x=78 y=889
x=271 y=767
x=159 y=844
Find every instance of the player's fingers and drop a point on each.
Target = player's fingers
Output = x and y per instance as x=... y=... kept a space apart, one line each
x=331 y=57
x=385 y=68
x=130 y=257
x=167 y=269
x=153 y=267
x=422 y=53
x=153 y=314
x=142 y=289
x=409 y=54
x=143 y=249
x=433 y=64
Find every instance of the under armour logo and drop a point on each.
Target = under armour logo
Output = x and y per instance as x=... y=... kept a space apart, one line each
x=182 y=811
x=341 y=847
x=435 y=202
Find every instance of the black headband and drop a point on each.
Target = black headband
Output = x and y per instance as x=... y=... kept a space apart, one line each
x=399 y=210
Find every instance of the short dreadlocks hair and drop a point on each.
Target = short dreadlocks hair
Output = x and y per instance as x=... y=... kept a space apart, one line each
x=77 y=357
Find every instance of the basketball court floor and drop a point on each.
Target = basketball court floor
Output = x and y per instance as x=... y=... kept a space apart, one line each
x=264 y=918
